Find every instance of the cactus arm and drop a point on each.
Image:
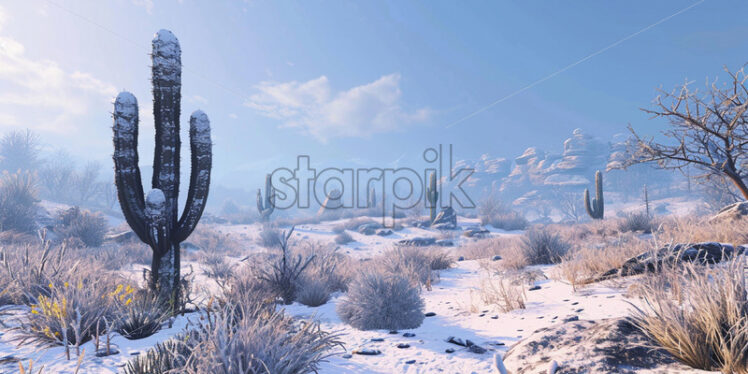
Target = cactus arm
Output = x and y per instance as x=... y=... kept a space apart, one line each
x=433 y=196
x=201 y=157
x=600 y=203
x=266 y=206
x=166 y=79
x=260 y=207
x=126 y=170
x=596 y=207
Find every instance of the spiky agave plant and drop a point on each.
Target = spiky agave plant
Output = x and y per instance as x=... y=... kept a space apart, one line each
x=155 y=217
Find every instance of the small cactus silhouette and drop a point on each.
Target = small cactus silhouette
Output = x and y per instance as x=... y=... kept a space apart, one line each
x=266 y=206
x=596 y=208
x=432 y=195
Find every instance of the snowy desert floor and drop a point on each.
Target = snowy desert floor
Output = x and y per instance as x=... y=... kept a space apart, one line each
x=454 y=300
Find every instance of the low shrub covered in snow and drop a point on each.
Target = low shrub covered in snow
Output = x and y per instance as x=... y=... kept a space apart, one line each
x=382 y=300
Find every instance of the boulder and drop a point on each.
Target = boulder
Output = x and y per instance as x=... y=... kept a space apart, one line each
x=417 y=242
x=605 y=346
x=732 y=212
x=476 y=232
x=384 y=232
x=445 y=220
x=369 y=228
x=651 y=261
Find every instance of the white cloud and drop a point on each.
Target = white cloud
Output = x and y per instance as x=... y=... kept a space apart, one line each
x=147 y=4
x=233 y=116
x=358 y=112
x=39 y=94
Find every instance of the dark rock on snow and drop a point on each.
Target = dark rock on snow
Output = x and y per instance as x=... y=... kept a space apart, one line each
x=652 y=261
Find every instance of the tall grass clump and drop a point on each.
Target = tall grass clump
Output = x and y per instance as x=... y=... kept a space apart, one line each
x=633 y=222
x=71 y=313
x=382 y=300
x=541 y=246
x=239 y=339
x=699 y=314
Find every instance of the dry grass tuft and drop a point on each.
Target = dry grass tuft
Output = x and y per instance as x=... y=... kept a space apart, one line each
x=699 y=314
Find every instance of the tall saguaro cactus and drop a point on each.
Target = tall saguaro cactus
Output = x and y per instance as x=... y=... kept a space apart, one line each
x=596 y=209
x=155 y=219
x=432 y=195
x=266 y=206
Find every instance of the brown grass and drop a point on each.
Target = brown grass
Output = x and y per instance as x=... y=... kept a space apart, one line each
x=699 y=314
x=502 y=294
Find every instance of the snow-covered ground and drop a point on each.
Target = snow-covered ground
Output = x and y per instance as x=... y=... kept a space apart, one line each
x=455 y=300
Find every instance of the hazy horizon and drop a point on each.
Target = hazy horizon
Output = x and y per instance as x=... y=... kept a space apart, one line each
x=363 y=84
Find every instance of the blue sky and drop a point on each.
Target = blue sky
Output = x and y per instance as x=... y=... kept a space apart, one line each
x=369 y=83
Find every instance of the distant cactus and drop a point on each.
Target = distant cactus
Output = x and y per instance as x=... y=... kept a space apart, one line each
x=372 y=199
x=154 y=217
x=596 y=208
x=266 y=206
x=432 y=195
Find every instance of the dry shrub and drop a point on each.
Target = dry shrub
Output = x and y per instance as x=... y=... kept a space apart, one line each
x=699 y=314
x=71 y=312
x=270 y=237
x=498 y=214
x=691 y=229
x=633 y=222
x=241 y=338
x=502 y=294
x=314 y=293
x=83 y=225
x=581 y=264
x=216 y=267
x=328 y=265
x=343 y=238
x=28 y=270
x=382 y=300
x=18 y=202
x=487 y=248
x=211 y=240
x=412 y=262
x=542 y=246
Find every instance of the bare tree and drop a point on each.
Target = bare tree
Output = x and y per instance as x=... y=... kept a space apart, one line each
x=19 y=150
x=708 y=131
x=570 y=205
x=85 y=182
x=56 y=176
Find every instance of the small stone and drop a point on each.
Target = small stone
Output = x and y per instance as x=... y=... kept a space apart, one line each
x=481 y=315
x=534 y=288
x=377 y=339
x=409 y=335
x=429 y=314
x=579 y=310
x=403 y=345
x=103 y=352
x=571 y=319
x=134 y=353
x=496 y=258
x=409 y=362
x=367 y=352
x=449 y=350
x=477 y=349
x=461 y=258
x=575 y=303
x=347 y=355
x=494 y=317
x=393 y=332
